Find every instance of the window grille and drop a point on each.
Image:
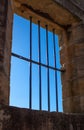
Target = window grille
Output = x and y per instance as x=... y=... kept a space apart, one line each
x=39 y=63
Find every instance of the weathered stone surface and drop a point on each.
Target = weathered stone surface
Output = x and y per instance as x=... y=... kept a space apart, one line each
x=72 y=58
x=67 y=18
x=76 y=7
x=12 y=118
x=6 y=16
x=48 y=12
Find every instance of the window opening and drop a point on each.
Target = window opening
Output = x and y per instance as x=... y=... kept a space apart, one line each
x=50 y=79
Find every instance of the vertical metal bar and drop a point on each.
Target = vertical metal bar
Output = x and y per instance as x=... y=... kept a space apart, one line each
x=40 y=86
x=30 y=78
x=47 y=52
x=55 y=63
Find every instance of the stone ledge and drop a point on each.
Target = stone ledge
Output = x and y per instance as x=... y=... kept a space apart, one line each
x=12 y=118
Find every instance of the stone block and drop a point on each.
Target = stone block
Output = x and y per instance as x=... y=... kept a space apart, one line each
x=81 y=88
x=72 y=104
x=71 y=88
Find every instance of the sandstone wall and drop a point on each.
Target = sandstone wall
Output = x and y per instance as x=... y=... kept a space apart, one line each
x=71 y=39
x=12 y=118
x=6 y=17
x=72 y=59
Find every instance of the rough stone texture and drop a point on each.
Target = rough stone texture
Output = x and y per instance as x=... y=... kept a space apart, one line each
x=5 y=49
x=67 y=18
x=76 y=7
x=48 y=11
x=70 y=28
x=12 y=118
x=72 y=58
x=71 y=38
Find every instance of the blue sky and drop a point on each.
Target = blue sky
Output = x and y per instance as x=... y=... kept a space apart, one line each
x=19 y=86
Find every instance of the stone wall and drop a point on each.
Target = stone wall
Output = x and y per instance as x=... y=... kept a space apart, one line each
x=6 y=16
x=12 y=118
x=71 y=41
x=72 y=59
x=76 y=7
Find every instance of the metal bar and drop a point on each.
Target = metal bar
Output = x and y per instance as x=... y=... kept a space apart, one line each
x=55 y=63
x=30 y=78
x=40 y=86
x=35 y=62
x=48 y=78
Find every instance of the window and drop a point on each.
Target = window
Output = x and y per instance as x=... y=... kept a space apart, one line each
x=35 y=67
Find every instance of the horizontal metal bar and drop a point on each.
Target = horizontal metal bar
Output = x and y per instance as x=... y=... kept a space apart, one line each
x=35 y=62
